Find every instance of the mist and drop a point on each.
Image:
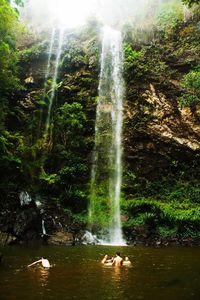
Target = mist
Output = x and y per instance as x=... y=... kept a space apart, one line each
x=44 y=14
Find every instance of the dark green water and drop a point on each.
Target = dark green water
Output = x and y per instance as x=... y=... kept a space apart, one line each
x=157 y=273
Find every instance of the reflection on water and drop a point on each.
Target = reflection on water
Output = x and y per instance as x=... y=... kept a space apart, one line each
x=44 y=275
x=165 y=273
x=40 y=274
x=117 y=274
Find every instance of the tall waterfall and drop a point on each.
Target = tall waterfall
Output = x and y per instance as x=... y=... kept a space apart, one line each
x=47 y=73
x=107 y=166
x=51 y=44
x=55 y=75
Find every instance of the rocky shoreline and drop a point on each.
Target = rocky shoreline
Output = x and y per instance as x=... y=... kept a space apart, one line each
x=51 y=225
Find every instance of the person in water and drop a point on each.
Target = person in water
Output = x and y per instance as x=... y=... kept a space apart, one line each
x=44 y=261
x=107 y=261
x=117 y=261
x=126 y=261
x=104 y=260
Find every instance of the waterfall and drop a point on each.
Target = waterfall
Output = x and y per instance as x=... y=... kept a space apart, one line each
x=44 y=232
x=55 y=76
x=47 y=73
x=52 y=41
x=25 y=198
x=107 y=166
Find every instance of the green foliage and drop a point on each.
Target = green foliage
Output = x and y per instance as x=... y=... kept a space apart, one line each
x=167 y=231
x=75 y=56
x=70 y=122
x=134 y=65
x=191 y=2
x=191 y=84
x=49 y=178
x=100 y=208
x=192 y=80
x=130 y=54
x=34 y=53
x=168 y=16
x=78 y=217
x=169 y=219
x=10 y=160
x=9 y=28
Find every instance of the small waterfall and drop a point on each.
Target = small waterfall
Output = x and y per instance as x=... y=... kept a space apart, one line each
x=107 y=166
x=44 y=232
x=89 y=239
x=55 y=76
x=25 y=198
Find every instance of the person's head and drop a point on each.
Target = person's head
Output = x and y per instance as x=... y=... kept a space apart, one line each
x=126 y=258
x=118 y=254
x=44 y=257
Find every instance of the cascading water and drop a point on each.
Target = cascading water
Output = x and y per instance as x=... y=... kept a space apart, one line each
x=107 y=165
x=47 y=73
x=52 y=41
x=25 y=198
x=55 y=76
x=44 y=232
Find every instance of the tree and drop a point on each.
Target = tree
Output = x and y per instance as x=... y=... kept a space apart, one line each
x=9 y=84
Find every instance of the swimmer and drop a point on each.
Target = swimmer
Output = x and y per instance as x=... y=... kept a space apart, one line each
x=104 y=260
x=44 y=261
x=126 y=261
x=109 y=262
x=117 y=261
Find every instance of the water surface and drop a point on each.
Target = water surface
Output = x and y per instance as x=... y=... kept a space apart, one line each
x=157 y=273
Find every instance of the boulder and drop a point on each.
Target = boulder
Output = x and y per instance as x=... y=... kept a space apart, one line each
x=27 y=220
x=61 y=237
x=6 y=239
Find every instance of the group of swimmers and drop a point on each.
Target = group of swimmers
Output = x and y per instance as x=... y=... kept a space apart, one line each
x=116 y=261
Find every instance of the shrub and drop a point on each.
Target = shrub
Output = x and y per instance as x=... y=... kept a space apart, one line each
x=191 y=85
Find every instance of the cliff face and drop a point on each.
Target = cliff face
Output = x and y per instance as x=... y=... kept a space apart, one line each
x=164 y=133
x=161 y=136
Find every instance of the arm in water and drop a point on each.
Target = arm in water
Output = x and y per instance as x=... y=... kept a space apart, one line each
x=44 y=261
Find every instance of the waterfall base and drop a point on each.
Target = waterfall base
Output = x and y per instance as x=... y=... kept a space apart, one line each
x=93 y=239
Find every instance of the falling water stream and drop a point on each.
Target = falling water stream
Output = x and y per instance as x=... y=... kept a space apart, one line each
x=51 y=44
x=55 y=75
x=107 y=165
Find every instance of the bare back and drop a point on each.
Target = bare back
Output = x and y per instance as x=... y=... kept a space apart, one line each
x=117 y=262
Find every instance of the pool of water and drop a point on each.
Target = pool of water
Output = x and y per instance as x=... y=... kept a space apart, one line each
x=169 y=273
